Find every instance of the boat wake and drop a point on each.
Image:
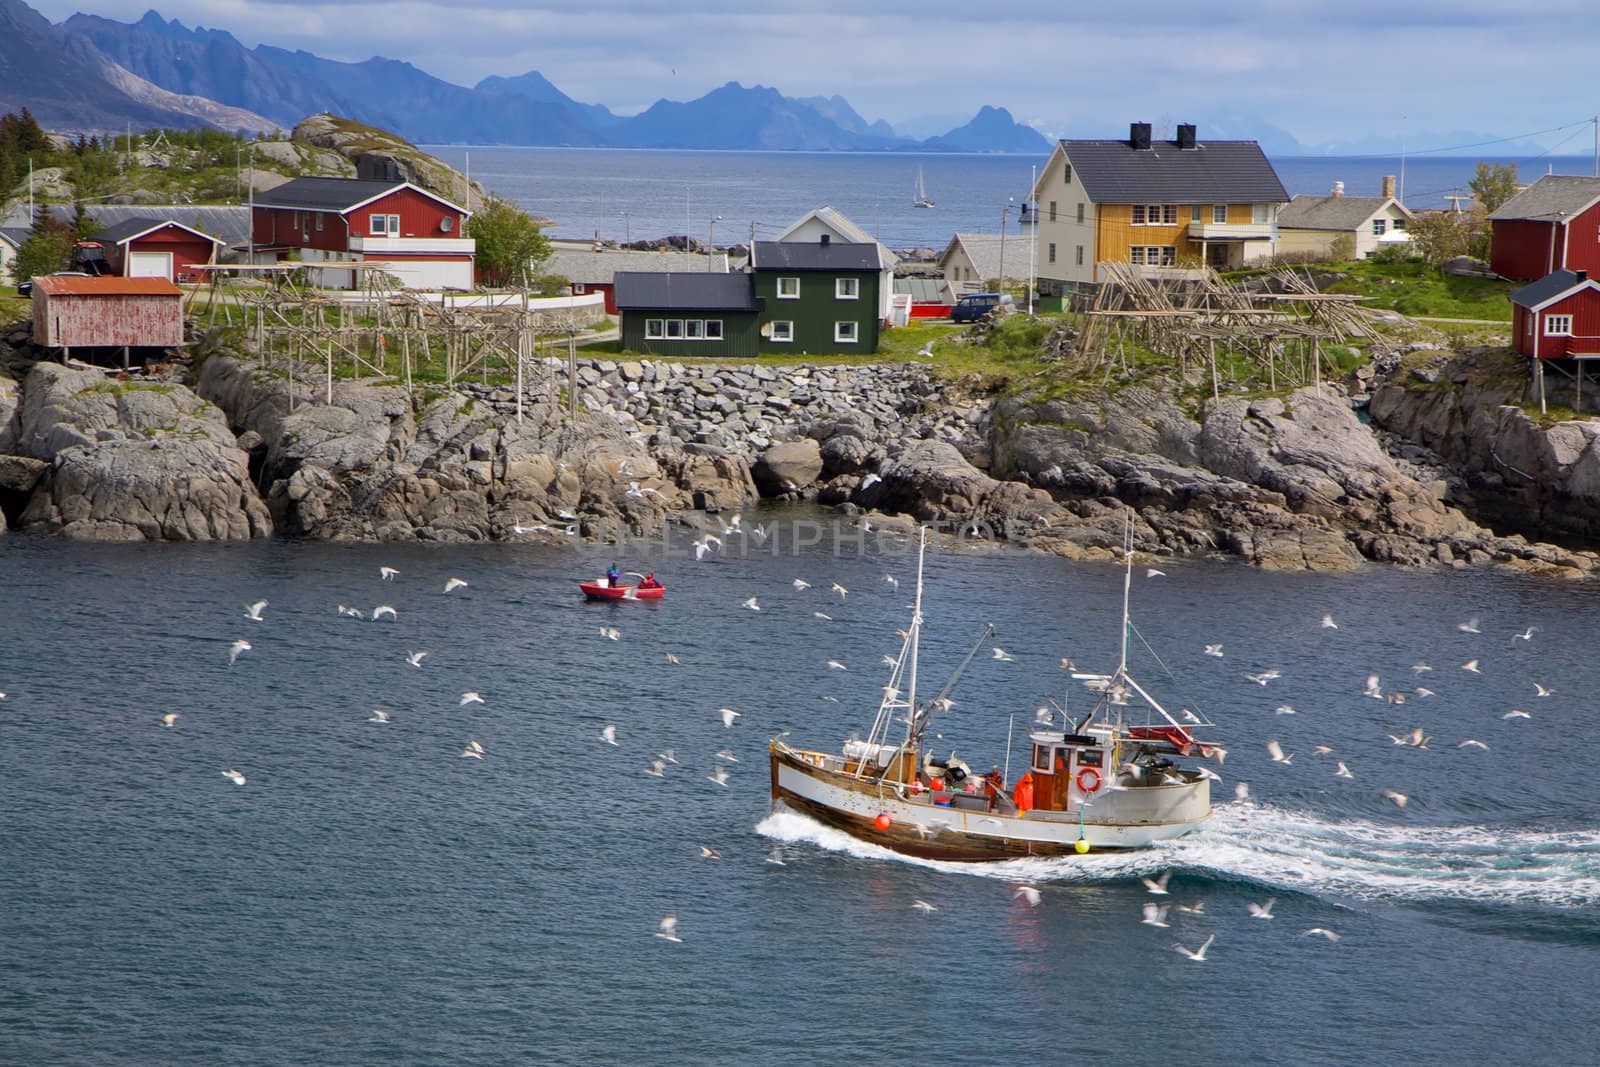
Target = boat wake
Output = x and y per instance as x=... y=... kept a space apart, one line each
x=1304 y=852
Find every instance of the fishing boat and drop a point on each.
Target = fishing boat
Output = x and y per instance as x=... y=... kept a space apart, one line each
x=921 y=199
x=601 y=589
x=1110 y=780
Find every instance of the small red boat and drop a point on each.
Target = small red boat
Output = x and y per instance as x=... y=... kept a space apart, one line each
x=597 y=590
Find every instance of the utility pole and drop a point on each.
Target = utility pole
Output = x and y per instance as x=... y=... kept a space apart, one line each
x=598 y=215
x=251 y=253
x=711 y=241
x=1005 y=209
x=1596 y=121
x=1033 y=238
x=627 y=228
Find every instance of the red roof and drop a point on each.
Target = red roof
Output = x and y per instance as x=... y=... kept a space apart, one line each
x=57 y=285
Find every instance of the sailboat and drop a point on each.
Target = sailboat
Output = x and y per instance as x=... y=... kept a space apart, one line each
x=921 y=198
x=1108 y=781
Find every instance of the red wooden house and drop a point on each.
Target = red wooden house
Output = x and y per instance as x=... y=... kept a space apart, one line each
x=416 y=234
x=150 y=247
x=1557 y=317
x=1553 y=224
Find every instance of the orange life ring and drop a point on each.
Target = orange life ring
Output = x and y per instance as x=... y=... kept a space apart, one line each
x=1091 y=786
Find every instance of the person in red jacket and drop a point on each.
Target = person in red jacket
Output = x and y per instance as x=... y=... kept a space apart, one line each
x=1022 y=793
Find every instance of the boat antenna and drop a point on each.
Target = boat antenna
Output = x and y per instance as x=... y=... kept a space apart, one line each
x=1127 y=582
x=916 y=627
x=938 y=702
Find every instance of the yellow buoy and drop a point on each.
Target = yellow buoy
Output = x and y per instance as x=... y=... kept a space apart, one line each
x=1080 y=846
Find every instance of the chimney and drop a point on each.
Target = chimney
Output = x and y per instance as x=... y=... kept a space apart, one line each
x=1388 y=186
x=825 y=240
x=1583 y=275
x=1186 y=136
x=1139 y=136
x=1338 y=188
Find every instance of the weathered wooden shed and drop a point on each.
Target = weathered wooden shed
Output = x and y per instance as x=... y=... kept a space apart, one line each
x=108 y=312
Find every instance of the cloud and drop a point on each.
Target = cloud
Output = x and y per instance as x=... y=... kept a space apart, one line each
x=1322 y=71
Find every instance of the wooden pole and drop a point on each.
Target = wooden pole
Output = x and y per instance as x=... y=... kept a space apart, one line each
x=1211 y=345
x=1538 y=370
x=572 y=373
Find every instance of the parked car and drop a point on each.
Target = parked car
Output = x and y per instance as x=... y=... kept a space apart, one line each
x=975 y=306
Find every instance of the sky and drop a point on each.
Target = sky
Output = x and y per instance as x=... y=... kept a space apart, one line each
x=1324 y=71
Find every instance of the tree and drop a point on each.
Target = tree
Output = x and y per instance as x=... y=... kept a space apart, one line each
x=48 y=250
x=1493 y=184
x=509 y=242
x=1439 y=235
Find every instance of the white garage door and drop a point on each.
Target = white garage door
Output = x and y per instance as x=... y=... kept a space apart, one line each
x=150 y=265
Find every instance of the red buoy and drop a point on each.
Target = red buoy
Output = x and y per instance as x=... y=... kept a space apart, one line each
x=882 y=821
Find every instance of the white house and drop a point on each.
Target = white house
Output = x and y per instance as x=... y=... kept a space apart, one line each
x=812 y=226
x=1313 y=223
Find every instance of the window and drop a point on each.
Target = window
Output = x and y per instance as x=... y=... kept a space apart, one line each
x=319 y=220
x=1261 y=213
x=1080 y=211
x=847 y=288
x=295 y=221
x=1377 y=227
x=1041 y=757
x=577 y=288
x=674 y=329
x=713 y=329
x=783 y=332
x=694 y=329
x=379 y=225
x=1080 y=255
x=1052 y=251
x=1397 y=224
x=1558 y=325
x=1155 y=214
x=1219 y=212
x=653 y=330
x=845 y=333
x=1195 y=214
x=788 y=288
x=1153 y=255
x=1052 y=211
x=1066 y=173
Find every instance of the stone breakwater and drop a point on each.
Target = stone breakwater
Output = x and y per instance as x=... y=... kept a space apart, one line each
x=1295 y=482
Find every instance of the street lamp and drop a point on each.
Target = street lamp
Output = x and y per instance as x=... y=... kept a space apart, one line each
x=711 y=239
x=1005 y=209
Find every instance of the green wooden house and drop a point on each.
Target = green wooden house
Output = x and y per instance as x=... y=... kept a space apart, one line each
x=804 y=298
x=680 y=313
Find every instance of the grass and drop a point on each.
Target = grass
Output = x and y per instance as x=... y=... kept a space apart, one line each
x=1411 y=287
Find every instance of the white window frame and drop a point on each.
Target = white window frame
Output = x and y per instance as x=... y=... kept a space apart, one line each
x=713 y=330
x=847 y=288
x=846 y=326
x=1558 y=325
x=378 y=225
x=1052 y=211
x=1261 y=214
x=577 y=288
x=1219 y=213
x=694 y=329
x=1379 y=227
x=789 y=283
x=786 y=328
x=1397 y=223
x=674 y=329
x=1052 y=251
x=1196 y=213
x=1153 y=255
x=1080 y=211
x=1080 y=255
x=654 y=330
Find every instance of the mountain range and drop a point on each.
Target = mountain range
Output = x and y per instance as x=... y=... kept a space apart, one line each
x=284 y=86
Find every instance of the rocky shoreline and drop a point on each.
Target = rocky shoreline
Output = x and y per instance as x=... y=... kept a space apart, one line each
x=1294 y=483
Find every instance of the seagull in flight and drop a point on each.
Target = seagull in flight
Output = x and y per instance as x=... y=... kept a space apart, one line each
x=1262 y=911
x=1328 y=623
x=1398 y=797
x=1275 y=750
x=668 y=930
x=236 y=777
x=923 y=905
x=171 y=718
x=1283 y=709
x=709 y=853
x=1151 y=572
x=1241 y=791
x=823 y=617
x=775 y=857
x=1472 y=666
x=1214 y=650
x=657 y=768
x=1002 y=654
x=801 y=584
x=1526 y=635
x=378 y=715
x=474 y=750
x=1541 y=690
x=834 y=664
x=388 y=574
x=668 y=756
x=1264 y=677
x=671 y=658
x=892 y=582
x=728 y=715
x=1343 y=771
x=1157 y=886
x=237 y=649
x=1321 y=931
x=726 y=754
x=610 y=633
x=609 y=734
x=702 y=546
x=1517 y=713
x=382 y=610
x=1473 y=742
x=253 y=611
x=354 y=613
x=473 y=697
x=837 y=588
x=453 y=584
x=719 y=777
x=869 y=481
x=1197 y=908
x=1373 y=689
x=1470 y=626
x=1199 y=955
x=415 y=659
x=752 y=604
x=1155 y=915
x=1028 y=893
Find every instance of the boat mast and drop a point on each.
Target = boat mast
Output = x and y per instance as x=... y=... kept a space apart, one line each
x=916 y=636
x=1127 y=582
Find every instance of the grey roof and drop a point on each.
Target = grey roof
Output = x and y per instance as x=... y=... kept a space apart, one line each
x=1332 y=212
x=983 y=249
x=14 y=235
x=1552 y=197
x=921 y=290
x=846 y=227
x=226 y=223
x=324 y=194
x=138 y=224
x=1551 y=285
x=1214 y=172
x=685 y=291
x=584 y=264
x=809 y=255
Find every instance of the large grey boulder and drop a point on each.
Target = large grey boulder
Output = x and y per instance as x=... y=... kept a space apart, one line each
x=788 y=466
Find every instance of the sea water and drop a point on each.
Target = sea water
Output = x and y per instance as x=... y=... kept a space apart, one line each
x=371 y=896
x=634 y=194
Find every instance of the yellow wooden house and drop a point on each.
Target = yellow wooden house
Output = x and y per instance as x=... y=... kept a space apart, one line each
x=1158 y=205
